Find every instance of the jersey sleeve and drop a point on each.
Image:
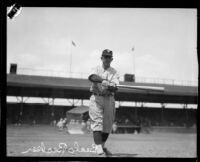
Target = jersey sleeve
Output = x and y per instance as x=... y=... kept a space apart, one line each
x=115 y=78
x=95 y=87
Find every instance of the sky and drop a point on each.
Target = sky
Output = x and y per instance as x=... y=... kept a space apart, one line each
x=151 y=43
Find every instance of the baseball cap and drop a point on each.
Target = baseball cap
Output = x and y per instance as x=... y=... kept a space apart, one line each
x=107 y=52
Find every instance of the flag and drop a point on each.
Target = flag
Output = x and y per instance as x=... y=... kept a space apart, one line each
x=73 y=44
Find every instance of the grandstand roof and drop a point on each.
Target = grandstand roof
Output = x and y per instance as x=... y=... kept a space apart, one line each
x=57 y=87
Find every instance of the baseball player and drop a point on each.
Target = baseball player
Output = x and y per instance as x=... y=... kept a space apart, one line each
x=104 y=79
x=60 y=124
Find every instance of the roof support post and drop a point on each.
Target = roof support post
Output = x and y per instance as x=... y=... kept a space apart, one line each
x=162 y=113
x=186 y=113
x=136 y=116
x=21 y=111
x=52 y=113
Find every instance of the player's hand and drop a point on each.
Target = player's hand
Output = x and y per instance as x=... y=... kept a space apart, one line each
x=105 y=83
x=112 y=88
x=112 y=84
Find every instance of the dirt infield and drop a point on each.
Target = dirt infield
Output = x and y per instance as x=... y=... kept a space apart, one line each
x=48 y=141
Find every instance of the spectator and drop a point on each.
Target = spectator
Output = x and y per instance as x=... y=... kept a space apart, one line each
x=88 y=125
x=138 y=122
x=83 y=125
x=126 y=121
x=34 y=122
x=77 y=122
x=52 y=119
x=72 y=121
x=19 y=119
x=54 y=123
x=64 y=122
x=60 y=124
x=114 y=127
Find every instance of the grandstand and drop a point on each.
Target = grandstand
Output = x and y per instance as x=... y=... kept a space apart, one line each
x=27 y=86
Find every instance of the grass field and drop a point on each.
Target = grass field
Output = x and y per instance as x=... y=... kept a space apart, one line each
x=44 y=141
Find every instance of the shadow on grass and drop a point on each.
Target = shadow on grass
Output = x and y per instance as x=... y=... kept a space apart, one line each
x=122 y=155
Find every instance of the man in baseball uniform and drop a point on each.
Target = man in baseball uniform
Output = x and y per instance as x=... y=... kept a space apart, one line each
x=104 y=79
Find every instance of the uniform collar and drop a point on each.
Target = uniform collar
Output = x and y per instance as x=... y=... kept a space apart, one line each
x=105 y=69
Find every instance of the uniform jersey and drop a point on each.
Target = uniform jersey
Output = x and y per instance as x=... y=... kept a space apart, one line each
x=109 y=74
x=102 y=108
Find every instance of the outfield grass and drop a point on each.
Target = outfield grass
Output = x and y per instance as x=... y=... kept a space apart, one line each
x=25 y=138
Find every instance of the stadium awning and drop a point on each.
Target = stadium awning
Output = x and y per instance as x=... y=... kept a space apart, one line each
x=78 y=110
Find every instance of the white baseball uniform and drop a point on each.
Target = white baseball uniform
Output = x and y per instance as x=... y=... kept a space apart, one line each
x=102 y=102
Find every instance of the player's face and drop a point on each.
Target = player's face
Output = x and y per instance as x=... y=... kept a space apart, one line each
x=106 y=60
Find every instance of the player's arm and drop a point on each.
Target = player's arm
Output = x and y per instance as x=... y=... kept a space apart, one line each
x=95 y=78
x=115 y=79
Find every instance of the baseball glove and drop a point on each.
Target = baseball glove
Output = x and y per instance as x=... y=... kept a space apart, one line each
x=95 y=78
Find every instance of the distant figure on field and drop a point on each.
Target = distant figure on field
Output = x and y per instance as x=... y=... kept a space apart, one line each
x=114 y=127
x=60 y=124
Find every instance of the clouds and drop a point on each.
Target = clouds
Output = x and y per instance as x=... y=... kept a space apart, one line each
x=150 y=66
x=49 y=51
x=85 y=60
x=164 y=40
x=145 y=66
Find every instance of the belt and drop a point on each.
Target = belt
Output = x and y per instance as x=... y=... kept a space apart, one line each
x=97 y=94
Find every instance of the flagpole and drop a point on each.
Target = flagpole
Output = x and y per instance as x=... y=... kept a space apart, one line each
x=133 y=61
x=70 y=64
x=71 y=44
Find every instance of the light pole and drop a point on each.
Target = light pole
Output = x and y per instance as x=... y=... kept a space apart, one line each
x=71 y=44
x=133 y=49
x=70 y=64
